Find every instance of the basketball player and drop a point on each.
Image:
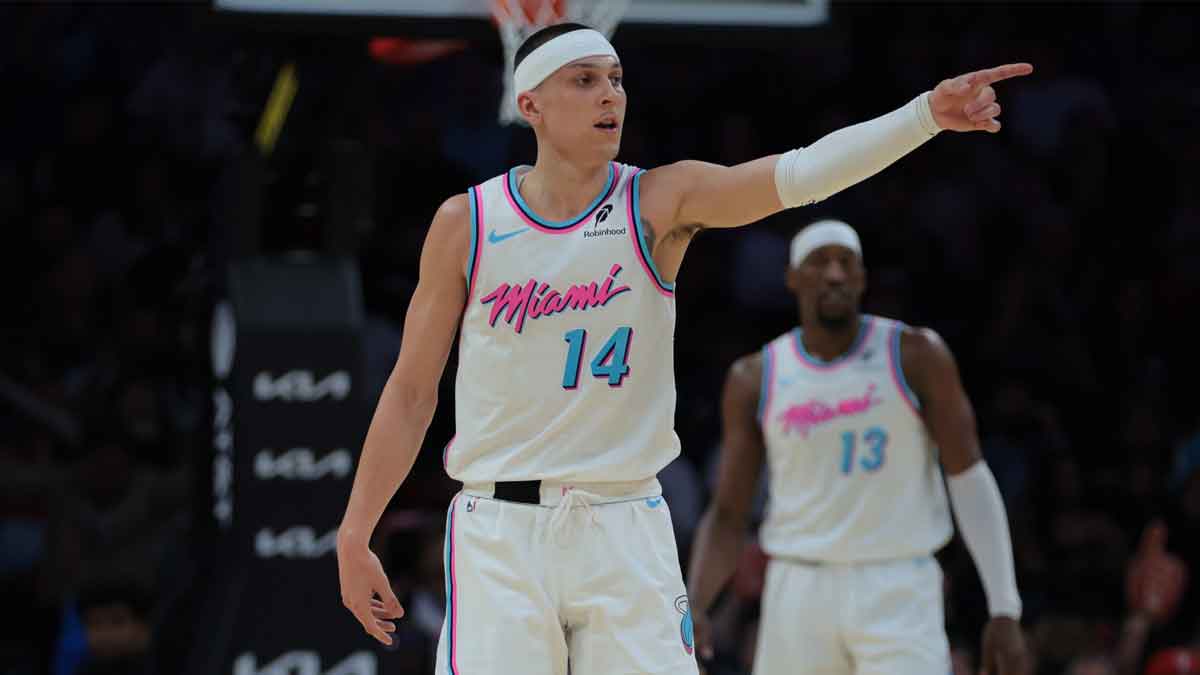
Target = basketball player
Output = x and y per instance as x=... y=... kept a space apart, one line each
x=852 y=415
x=559 y=278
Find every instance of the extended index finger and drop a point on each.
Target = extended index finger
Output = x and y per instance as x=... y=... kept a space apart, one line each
x=982 y=78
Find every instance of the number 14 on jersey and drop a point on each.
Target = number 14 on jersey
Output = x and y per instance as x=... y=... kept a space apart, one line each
x=611 y=361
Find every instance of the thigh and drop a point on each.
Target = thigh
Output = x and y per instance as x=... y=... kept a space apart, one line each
x=623 y=595
x=898 y=623
x=500 y=618
x=799 y=629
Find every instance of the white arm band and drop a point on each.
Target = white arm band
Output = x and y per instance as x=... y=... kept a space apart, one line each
x=984 y=527
x=848 y=156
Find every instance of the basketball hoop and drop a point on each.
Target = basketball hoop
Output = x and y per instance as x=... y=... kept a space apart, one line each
x=518 y=19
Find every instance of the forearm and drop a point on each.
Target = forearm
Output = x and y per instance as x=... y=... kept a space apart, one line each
x=983 y=524
x=717 y=548
x=851 y=155
x=395 y=436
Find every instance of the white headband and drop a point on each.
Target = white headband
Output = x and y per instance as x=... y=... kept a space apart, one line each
x=823 y=233
x=558 y=52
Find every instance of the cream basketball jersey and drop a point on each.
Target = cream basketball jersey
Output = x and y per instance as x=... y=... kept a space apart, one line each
x=565 y=368
x=854 y=475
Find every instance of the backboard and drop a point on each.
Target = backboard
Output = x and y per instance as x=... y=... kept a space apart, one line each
x=458 y=17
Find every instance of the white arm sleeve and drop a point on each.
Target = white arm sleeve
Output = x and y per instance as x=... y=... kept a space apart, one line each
x=984 y=527
x=848 y=156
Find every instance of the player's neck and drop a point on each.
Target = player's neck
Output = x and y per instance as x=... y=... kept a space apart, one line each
x=828 y=343
x=559 y=189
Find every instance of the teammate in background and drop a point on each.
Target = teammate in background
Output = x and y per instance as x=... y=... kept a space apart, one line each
x=559 y=278
x=852 y=414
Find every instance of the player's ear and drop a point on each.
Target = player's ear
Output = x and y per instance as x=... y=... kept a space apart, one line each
x=529 y=108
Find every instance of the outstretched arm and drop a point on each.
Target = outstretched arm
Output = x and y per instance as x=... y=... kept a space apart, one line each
x=403 y=414
x=718 y=542
x=930 y=369
x=692 y=194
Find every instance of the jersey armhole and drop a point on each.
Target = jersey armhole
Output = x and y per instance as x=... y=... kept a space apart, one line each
x=766 y=386
x=633 y=195
x=476 y=250
x=897 y=367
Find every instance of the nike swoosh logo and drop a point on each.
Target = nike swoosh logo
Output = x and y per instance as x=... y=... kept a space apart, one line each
x=497 y=238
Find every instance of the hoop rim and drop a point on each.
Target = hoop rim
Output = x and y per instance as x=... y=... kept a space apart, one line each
x=502 y=12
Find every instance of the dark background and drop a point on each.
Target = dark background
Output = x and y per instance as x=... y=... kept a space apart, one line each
x=1059 y=259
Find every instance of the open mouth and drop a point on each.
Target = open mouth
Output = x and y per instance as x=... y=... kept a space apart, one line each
x=606 y=126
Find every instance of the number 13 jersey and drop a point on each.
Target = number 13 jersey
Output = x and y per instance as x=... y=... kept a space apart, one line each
x=565 y=359
x=854 y=474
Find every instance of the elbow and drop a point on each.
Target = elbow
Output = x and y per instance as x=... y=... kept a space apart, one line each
x=800 y=179
x=416 y=402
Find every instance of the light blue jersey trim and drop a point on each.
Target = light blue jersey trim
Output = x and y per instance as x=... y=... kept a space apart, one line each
x=864 y=324
x=898 y=368
x=637 y=223
x=561 y=224
x=764 y=391
x=472 y=195
x=448 y=557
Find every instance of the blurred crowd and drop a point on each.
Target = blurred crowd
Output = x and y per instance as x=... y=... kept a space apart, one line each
x=1057 y=258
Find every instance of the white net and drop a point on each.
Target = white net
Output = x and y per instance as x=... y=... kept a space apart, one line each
x=518 y=19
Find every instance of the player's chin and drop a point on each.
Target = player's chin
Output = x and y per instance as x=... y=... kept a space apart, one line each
x=607 y=136
x=835 y=304
x=608 y=146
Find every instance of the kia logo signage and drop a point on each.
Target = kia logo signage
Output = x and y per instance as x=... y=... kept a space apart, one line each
x=295 y=542
x=305 y=663
x=301 y=386
x=302 y=464
x=222 y=478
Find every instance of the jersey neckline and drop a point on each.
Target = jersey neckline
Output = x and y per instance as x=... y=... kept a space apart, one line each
x=865 y=326
x=555 y=227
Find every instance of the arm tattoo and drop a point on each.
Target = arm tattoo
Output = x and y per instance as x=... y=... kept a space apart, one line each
x=684 y=231
x=648 y=235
